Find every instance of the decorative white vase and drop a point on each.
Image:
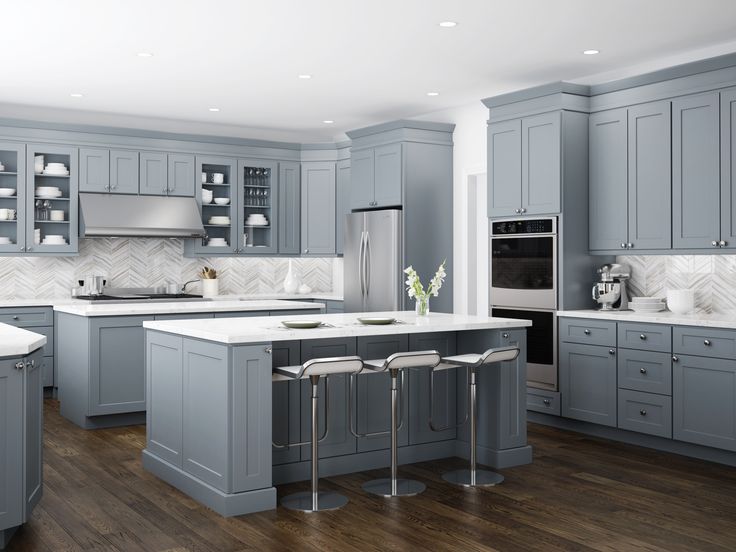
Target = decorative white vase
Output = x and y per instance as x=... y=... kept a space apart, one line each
x=291 y=282
x=210 y=287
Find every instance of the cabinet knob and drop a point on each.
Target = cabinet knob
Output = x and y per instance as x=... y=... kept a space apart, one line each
x=675 y=358
x=523 y=210
x=15 y=317
x=547 y=402
x=643 y=370
x=714 y=243
x=22 y=248
x=586 y=331
x=19 y=365
x=505 y=335
x=642 y=337
x=722 y=243
x=629 y=245
x=623 y=245
x=29 y=249
x=306 y=250
x=706 y=342
x=30 y=364
x=517 y=211
x=611 y=351
x=643 y=412
x=268 y=350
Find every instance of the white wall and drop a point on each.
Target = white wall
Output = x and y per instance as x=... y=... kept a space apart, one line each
x=469 y=158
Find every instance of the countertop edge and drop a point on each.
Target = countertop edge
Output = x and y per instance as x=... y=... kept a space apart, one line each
x=704 y=320
x=22 y=342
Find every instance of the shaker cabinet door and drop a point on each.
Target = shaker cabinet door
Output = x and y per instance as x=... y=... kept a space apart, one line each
x=608 y=180
x=94 y=170
x=362 y=179
x=290 y=207
x=11 y=444
x=342 y=202
x=504 y=168
x=541 y=155
x=318 y=208
x=388 y=175
x=153 y=173
x=588 y=383
x=650 y=176
x=696 y=172
x=728 y=167
x=180 y=175
x=123 y=172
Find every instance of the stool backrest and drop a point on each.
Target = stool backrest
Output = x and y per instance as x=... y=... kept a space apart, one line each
x=331 y=365
x=413 y=359
x=499 y=354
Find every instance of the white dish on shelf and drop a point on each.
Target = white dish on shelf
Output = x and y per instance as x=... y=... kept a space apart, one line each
x=658 y=308
x=47 y=188
x=7 y=192
x=48 y=195
x=222 y=200
x=219 y=220
x=55 y=173
x=5 y=240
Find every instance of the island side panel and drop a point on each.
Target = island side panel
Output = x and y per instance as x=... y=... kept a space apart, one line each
x=501 y=400
x=72 y=366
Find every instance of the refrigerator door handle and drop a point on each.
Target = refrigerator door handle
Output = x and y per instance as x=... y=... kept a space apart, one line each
x=367 y=263
x=361 y=263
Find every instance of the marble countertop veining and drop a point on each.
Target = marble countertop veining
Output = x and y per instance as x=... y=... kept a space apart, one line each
x=87 y=308
x=706 y=320
x=268 y=329
x=19 y=342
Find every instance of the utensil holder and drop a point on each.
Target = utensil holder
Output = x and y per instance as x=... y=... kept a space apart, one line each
x=210 y=287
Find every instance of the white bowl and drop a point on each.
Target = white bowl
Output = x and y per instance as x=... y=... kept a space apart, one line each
x=7 y=192
x=222 y=200
x=681 y=301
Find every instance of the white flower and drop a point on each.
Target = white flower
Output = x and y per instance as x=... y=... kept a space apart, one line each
x=414 y=287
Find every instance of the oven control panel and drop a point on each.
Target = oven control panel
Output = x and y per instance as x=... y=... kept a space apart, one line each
x=524 y=226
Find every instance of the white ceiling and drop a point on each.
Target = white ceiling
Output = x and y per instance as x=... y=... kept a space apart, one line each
x=371 y=60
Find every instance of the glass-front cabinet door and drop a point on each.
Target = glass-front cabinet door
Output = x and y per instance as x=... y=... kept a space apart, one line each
x=257 y=207
x=216 y=194
x=51 y=199
x=12 y=197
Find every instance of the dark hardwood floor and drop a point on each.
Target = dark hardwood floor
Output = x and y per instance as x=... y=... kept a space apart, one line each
x=579 y=494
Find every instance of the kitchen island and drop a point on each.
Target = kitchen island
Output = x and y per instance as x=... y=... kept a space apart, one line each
x=213 y=407
x=100 y=351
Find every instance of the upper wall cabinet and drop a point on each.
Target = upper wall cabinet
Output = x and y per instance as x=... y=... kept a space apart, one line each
x=376 y=177
x=258 y=216
x=166 y=174
x=728 y=168
x=318 y=208
x=13 y=180
x=108 y=171
x=524 y=166
x=342 y=202
x=290 y=208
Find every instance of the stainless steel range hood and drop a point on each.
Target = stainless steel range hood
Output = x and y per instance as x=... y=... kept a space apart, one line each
x=141 y=216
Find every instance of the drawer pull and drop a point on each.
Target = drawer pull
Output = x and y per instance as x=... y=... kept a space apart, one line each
x=586 y=332
x=706 y=342
x=268 y=350
x=15 y=317
x=20 y=365
x=675 y=358
x=611 y=351
x=643 y=370
x=547 y=402
x=642 y=337
x=643 y=412
x=505 y=336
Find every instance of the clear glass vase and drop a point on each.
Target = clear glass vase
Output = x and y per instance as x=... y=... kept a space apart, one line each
x=422 y=306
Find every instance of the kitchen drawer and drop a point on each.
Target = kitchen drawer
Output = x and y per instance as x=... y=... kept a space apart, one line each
x=645 y=337
x=704 y=342
x=588 y=331
x=645 y=413
x=27 y=317
x=539 y=400
x=647 y=371
x=47 y=373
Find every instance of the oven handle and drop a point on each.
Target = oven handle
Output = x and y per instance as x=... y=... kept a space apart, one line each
x=511 y=236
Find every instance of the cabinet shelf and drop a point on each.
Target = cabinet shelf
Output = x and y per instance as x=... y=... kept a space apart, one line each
x=52 y=198
x=224 y=184
x=8 y=173
x=217 y=225
x=215 y=205
x=14 y=220
x=257 y=206
x=51 y=176
x=38 y=221
x=256 y=186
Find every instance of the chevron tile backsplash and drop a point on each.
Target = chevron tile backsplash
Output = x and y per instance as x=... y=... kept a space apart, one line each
x=713 y=277
x=152 y=262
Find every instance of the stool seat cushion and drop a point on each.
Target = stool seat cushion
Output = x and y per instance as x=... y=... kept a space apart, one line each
x=288 y=371
x=470 y=359
x=377 y=365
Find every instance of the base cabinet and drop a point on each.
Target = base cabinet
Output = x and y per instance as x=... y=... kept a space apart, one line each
x=21 y=440
x=588 y=383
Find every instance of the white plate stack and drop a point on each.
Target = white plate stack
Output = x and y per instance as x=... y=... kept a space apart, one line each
x=48 y=192
x=219 y=220
x=217 y=242
x=54 y=239
x=647 y=304
x=56 y=169
x=256 y=219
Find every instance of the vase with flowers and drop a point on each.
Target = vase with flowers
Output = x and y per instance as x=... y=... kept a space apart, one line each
x=416 y=291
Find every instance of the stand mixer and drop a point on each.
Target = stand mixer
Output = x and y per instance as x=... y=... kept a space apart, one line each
x=611 y=292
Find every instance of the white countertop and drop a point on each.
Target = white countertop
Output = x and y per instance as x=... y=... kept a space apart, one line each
x=53 y=302
x=720 y=320
x=18 y=342
x=265 y=329
x=105 y=308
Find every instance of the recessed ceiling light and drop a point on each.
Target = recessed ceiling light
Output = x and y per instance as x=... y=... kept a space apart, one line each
x=145 y=54
x=448 y=24
x=305 y=76
x=328 y=122
x=433 y=93
x=591 y=52
x=76 y=95
x=214 y=109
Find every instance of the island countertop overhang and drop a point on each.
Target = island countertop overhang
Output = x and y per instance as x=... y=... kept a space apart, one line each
x=262 y=329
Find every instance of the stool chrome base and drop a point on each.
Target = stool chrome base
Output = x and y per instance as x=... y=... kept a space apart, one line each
x=302 y=502
x=483 y=478
x=404 y=487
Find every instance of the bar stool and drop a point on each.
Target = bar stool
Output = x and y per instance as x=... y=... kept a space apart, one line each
x=314 y=500
x=397 y=362
x=475 y=477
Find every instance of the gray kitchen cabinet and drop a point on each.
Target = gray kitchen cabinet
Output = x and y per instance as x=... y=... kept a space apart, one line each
x=588 y=331
x=645 y=413
x=504 y=168
x=339 y=440
x=608 y=180
x=728 y=167
x=696 y=178
x=342 y=202
x=650 y=176
x=318 y=208
x=645 y=337
x=258 y=194
x=290 y=207
x=124 y=173
x=444 y=402
x=117 y=365
x=286 y=404
x=94 y=170
x=709 y=342
x=180 y=175
x=228 y=189
x=13 y=158
x=588 y=383
x=153 y=177
x=373 y=392
x=704 y=401
x=376 y=177
x=21 y=441
x=541 y=156
x=646 y=371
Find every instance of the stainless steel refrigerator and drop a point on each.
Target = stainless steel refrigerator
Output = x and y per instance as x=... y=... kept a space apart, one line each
x=373 y=259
